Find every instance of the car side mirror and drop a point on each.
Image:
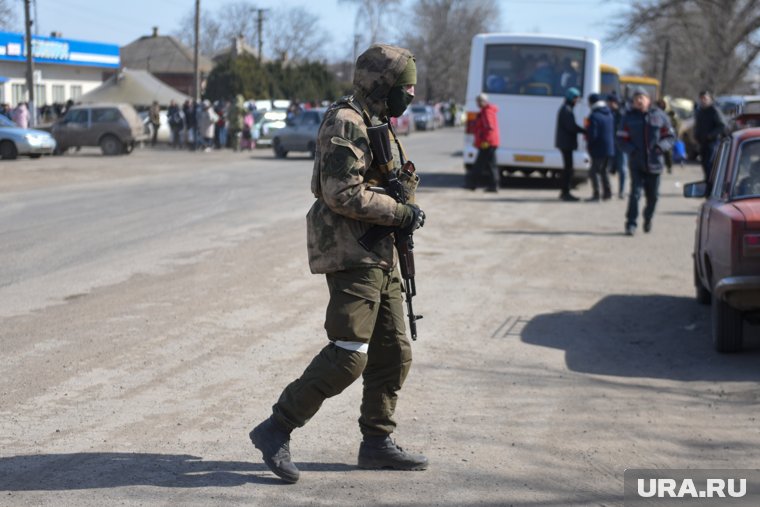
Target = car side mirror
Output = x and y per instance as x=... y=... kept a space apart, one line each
x=289 y=122
x=696 y=189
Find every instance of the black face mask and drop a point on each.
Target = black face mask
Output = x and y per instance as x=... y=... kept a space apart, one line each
x=398 y=101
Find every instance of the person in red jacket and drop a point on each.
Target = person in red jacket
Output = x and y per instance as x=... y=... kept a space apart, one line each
x=486 y=141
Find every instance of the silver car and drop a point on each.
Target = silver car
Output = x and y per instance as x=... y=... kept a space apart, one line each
x=299 y=134
x=15 y=141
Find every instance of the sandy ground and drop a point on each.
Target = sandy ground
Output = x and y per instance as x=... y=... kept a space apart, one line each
x=554 y=352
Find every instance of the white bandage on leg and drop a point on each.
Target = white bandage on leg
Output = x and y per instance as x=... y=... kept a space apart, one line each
x=353 y=346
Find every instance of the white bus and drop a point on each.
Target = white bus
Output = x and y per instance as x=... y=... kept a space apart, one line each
x=526 y=77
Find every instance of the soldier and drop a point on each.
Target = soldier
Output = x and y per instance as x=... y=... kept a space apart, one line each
x=235 y=115
x=364 y=318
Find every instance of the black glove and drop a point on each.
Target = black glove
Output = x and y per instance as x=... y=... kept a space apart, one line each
x=415 y=219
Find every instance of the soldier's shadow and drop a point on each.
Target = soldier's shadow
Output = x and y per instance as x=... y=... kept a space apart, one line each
x=57 y=472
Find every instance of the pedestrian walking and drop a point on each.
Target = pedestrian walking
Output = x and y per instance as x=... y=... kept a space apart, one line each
x=206 y=122
x=364 y=319
x=645 y=134
x=601 y=146
x=709 y=126
x=21 y=115
x=618 y=163
x=176 y=123
x=566 y=139
x=486 y=141
x=154 y=116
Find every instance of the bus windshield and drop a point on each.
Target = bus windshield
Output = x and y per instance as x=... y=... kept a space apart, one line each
x=524 y=69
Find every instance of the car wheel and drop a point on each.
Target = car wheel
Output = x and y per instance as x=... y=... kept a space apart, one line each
x=279 y=151
x=703 y=295
x=8 y=150
x=312 y=149
x=727 y=326
x=110 y=146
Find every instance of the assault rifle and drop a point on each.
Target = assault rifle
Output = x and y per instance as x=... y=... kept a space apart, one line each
x=382 y=155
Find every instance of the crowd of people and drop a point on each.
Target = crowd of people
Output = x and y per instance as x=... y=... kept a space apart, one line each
x=204 y=125
x=634 y=141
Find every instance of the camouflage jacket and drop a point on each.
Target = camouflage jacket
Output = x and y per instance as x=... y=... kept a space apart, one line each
x=345 y=208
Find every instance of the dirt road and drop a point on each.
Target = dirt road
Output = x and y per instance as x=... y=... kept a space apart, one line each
x=153 y=306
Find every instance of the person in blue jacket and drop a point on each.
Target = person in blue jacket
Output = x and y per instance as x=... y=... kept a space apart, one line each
x=644 y=134
x=600 y=137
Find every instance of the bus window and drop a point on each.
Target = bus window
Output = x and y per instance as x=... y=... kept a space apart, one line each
x=610 y=78
x=523 y=69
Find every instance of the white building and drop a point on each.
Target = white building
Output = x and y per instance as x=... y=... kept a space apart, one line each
x=63 y=68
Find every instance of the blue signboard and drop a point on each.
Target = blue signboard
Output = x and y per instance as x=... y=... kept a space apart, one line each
x=59 y=51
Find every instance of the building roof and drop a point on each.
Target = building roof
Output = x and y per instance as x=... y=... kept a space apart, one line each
x=237 y=48
x=136 y=87
x=160 y=54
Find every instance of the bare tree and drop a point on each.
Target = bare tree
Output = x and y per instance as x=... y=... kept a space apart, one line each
x=7 y=15
x=713 y=43
x=370 y=22
x=211 y=40
x=440 y=36
x=296 y=35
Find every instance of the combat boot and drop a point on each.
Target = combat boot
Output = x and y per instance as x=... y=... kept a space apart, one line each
x=274 y=444
x=382 y=452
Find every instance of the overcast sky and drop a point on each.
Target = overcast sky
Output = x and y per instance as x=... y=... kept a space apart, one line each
x=121 y=22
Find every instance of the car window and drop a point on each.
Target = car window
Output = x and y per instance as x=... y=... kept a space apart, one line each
x=747 y=181
x=105 y=115
x=719 y=169
x=5 y=122
x=310 y=118
x=77 y=116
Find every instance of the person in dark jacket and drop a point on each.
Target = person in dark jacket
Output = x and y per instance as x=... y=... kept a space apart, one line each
x=645 y=134
x=566 y=139
x=601 y=146
x=486 y=141
x=617 y=162
x=709 y=125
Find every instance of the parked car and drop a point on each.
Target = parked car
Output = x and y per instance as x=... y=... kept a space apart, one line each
x=404 y=124
x=116 y=128
x=15 y=141
x=299 y=134
x=267 y=125
x=727 y=239
x=748 y=114
x=424 y=117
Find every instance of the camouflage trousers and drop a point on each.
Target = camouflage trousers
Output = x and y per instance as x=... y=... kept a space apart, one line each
x=366 y=327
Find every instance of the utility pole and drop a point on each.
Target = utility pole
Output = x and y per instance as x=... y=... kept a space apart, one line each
x=29 y=65
x=196 y=73
x=260 y=29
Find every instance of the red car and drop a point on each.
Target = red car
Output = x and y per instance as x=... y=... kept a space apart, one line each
x=727 y=241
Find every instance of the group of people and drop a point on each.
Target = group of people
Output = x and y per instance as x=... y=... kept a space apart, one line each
x=643 y=133
x=21 y=114
x=205 y=126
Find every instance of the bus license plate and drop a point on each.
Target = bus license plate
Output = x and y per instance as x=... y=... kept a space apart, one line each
x=535 y=159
